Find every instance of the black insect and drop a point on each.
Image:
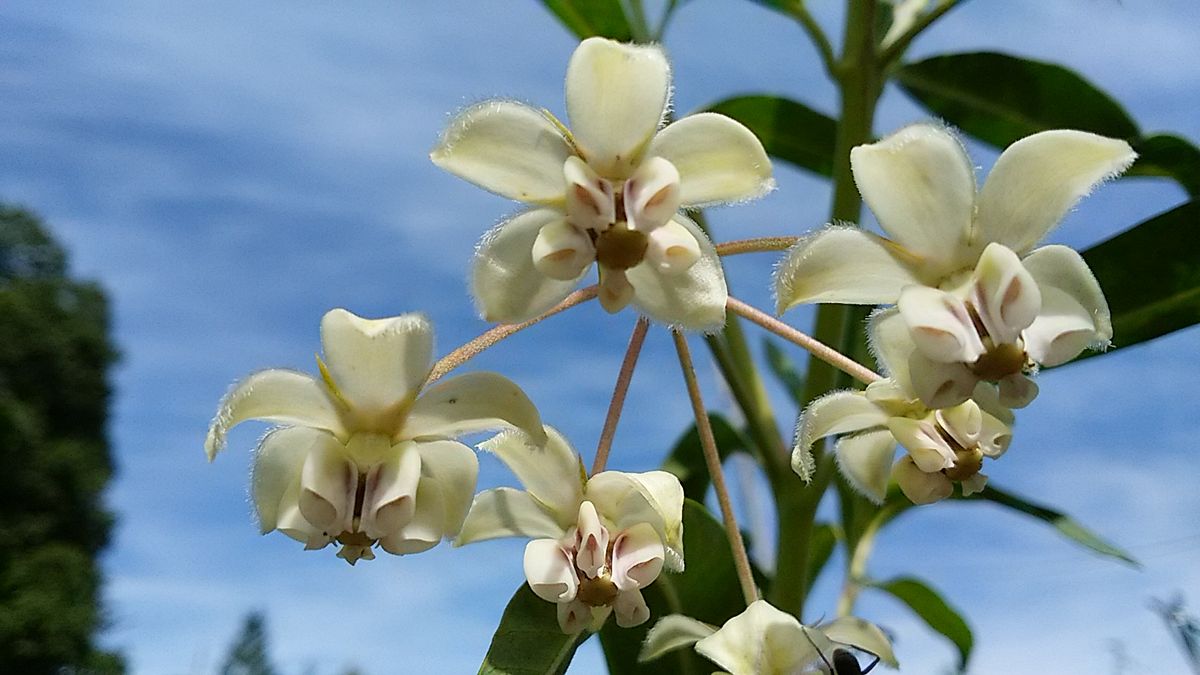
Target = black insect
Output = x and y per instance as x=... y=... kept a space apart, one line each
x=844 y=663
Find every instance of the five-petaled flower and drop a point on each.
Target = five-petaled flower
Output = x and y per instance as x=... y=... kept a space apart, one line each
x=979 y=301
x=596 y=541
x=608 y=190
x=362 y=458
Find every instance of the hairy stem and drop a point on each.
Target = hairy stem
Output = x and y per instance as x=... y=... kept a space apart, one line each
x=756 y=245
x=619 y=390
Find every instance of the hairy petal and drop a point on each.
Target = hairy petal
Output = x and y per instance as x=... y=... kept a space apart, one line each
x=376 y=363
x=469 y=403
x=506 y=285
x=691 y=300
x=1060 y=267
x=719 y=159
x=865 y=459
x=552 y=472
x=843 y=265
x=505 y=512
x=281 y=396
x=277 y=463
x=671 y=632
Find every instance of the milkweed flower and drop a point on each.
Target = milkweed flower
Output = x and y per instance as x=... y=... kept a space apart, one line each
x=980 y=302
x=944 y=446
x=608 y=190
x=596 y=541
x=766 y=641
x=364 y=456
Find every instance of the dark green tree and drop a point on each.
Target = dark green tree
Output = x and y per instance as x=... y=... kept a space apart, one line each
x=54 y=457
x=248 y=655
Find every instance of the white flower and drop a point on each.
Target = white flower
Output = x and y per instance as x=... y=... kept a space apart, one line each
x=363 y=459
x=980 y=302
x=596 y=541
x=944 y=446
x=765 y=641
x=608 y=191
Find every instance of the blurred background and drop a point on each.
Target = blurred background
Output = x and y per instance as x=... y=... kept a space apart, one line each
x=217 y=175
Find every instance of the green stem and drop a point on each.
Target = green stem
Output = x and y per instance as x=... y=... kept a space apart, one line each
x=859 y=83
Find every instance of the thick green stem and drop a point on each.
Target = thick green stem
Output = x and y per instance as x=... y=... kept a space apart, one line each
x=859 y=83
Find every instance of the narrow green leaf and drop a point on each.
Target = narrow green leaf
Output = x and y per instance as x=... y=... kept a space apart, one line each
x=1151 y=275
x=528 y=640
x=588 y=18
x=788 y=130
x=686 y=460
x=1066 y=526
x=999 y=98
x=820 y=548
x=933 y=610
x=707 y=590
x=786 y=370
x=1168 y=156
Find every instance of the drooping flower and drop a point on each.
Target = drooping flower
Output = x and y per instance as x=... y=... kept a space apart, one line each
x=607 y=190
x=980 y=302
x=596 y=541
x=944 y=446
x=364 y=456
x=766 y=641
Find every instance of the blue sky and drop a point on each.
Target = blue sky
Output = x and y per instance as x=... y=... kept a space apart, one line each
x=231 y=170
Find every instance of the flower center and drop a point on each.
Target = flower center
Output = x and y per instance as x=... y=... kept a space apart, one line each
x=598 y=592
x=967 y=463
x=620 y=248
x=999 y=361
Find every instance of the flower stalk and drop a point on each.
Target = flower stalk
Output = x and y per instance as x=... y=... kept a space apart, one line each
x=617 y=404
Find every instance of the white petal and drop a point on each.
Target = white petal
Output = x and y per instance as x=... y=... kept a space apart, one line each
x=616 y=97
x=591 y=541
x=923 y=442
x=651 y=195
x=574 y=616
x=390 y=494
x=550 y=571
x=1039 y=178
x=630 y=608
x=505 y=512
x=1017 y=390
x=1061 y=267
x=921 y=187
x=455 y=468
x=839 y=412
x=672 y=632
x=963 y=423
x=277 y=464
x=864 y=635
x=974 y=484
x=553 y=473
x=693 y=300
x=506 y=147
x=940 y=385
x=1005 y=295
x=376 y=364
x=328 y=482
x=469 y=403
x=506 y=285
x=562 y=252
x=428 y=524
x=719 y=159
x=760 y=641
x=921 y=487
x=892 y=345
x=940 y=325
x=995 y=436
x=672 y=249
x=637 y=557
x=291 y=522
x=865 y=460
x=615 y=290
x=1062 y=330
x=590 y=201
x=281 y=396
x=654 y=497
x=844 y=265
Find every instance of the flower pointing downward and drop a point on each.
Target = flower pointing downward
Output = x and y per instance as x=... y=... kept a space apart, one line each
x=364 y=457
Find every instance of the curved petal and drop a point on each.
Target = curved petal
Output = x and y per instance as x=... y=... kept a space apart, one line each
x=940 y=325
x=654 y=497
x=615 y=289
x=672 y=249
x=552 y=472
x=719 y=159
x=1062 y=330
x=860 y=634
x=455 y=468
x=760 y=641
x=428 y=524
x=963 y=423
x=562 y=252
x=591 y=541
x=843 y=265
x=292 y=523
x=328 y=481
x=692 y=300
x=389 y=497
x=923 y=442
x=630 y=609
x=277 y=463
x=469 y=403
x=1017 y=390
x=994 y=436
x=590 y=202
x=866 y=461
x=1039 y=178
x=505 y=512
x=671 y=632
x=376 y=364
x=504 y=282
x=920 y=184
x=616 y=97
x=1006 y=297
x=508 y=148
x=839 y=412
x=637 y=557
x=891 y=345
x=276 y=395
x=574 y=616
x=921 y=487
x=550 y=571
x=651 y=195
x=1061 y=267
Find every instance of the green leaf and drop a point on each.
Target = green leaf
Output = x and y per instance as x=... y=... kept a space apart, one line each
x=820 y=548
x=786 y=370
x=933 y=610
x=707 y=590
x=1170 y=157
x=1151 y=275
x=528 y=640
x=1066 y=526
x=788 y=130
x=686 y=460
x=588 y=18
